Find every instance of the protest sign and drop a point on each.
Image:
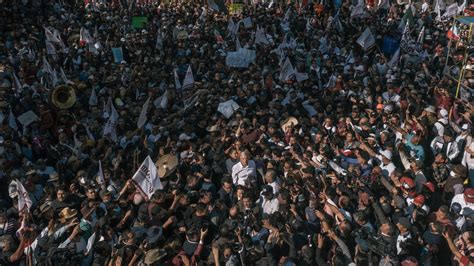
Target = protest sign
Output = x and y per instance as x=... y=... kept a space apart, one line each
x=118 y=54
x=139 y=22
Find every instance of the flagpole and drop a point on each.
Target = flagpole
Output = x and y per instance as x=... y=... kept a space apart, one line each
x=464 y=61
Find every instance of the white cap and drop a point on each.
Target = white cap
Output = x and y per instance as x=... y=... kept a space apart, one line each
x=183 y=137
x=387 y=154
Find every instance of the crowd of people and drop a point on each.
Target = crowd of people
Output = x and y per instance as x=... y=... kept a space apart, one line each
x=360 y=156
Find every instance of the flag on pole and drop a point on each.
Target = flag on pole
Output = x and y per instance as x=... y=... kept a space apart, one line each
x=331 y=82
x=100 y=176
x=394 y=60
x=188 y=79
x=453 y=32
x=366 y=39
x=146 y=178
x=47 y=67
x=93 y=98
x=462 y=7
x=159 y=41
x=50 y=36
x=421 y=36
x=437 y=10
x=17 y=84
x=142 y=118
x=50 y=49
x=407 y=17
x=109 y=128
x=64 y=77
x=451 y=11
x=287 y=70
x=237 y=44
x=358 y=10
x=261 y=36
x=177 y=84
x=85 y=37
x=12 y=121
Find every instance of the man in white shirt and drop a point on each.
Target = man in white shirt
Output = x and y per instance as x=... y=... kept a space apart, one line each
x=386 y=164
x=466 y=199
x=244 y=170
x=267 y=201
x=403 y=225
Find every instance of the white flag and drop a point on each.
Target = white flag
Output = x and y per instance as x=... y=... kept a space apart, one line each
x=451 y=11
x=287 y=70
x=55 y=78
x=31 y=55
x=162 y=101
x=64 y=77
x=247 y=22
x=366 y=39
x=100 y=176
x=301 y=76
x=147 y=179
x=159 y=41
x=50 y=37
x=462 y=7
x=177 y=84
x=12 y=121
x=260 y=36
x=384 y=4
x=47 y=67
x=17 y=84
x=85 y=37
x=232 y=27
x=394 y=60
x=437 y=10
x=90 y=243
x=93 y=98
x=142 y=118
x=57 y=35
x=237 y=44
x=111 y=123
x=17 y=189
x=189 y=79
x=50 y=49
x=358 y=10
x=331 y=82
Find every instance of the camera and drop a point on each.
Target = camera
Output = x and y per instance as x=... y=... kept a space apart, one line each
x=380 y=246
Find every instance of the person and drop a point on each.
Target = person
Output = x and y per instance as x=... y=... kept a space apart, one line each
x=244 y=173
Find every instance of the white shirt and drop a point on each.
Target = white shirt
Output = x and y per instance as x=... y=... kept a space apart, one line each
x=459 y=198
x=269 y=206
x=241 y=173
x=400 y=239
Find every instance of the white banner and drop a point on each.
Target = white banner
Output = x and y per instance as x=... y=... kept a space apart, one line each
x=147 y=179
x=142 y=118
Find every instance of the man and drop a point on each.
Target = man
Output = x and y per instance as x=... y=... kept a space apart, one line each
x=466 y=200
x=446 y=145
x=244 y=173
x=267 y=201
x=440 y=170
